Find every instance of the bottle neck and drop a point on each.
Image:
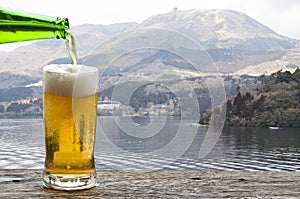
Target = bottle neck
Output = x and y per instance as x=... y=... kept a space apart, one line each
x=62 y=28
x=17 y=26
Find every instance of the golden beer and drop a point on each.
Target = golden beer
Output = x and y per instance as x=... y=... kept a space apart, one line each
x=70 y=111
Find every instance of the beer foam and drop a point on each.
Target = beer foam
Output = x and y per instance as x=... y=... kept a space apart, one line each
x=70 y=80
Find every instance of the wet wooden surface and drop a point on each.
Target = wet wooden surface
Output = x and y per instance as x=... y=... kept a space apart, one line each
x=159 y=184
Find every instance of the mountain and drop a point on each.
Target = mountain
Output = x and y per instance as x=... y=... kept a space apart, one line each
x=167 y=54
x=228 y=39
x=28 y=60
x=222 y=29
x=173 y=44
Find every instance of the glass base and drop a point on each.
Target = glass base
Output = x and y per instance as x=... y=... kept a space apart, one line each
x=69 y=181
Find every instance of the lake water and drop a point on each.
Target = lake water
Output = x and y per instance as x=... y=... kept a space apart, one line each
x=161 y=143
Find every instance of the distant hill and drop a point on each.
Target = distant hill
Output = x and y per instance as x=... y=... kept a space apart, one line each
x=28 y=60
x=222 y=29
x=275 y=103
x=228 y=39
x=231 y=40
x=9 y=80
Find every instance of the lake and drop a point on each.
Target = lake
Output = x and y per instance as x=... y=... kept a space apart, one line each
x=141 y=143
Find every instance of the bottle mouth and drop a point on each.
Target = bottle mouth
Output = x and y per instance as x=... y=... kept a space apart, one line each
x=66 y=20
x=65 y=23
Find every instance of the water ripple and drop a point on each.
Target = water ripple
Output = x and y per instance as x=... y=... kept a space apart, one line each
x=22 y=147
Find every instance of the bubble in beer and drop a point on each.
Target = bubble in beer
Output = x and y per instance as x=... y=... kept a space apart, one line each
x=66 y=80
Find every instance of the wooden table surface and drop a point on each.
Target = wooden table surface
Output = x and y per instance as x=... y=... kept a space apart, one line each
x=159 y=184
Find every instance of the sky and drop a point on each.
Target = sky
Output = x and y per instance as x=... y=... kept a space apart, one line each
x=280 y=15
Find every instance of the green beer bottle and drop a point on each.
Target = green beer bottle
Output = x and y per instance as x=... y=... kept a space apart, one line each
x=18 y=26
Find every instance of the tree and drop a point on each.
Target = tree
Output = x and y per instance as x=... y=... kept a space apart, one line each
x=277 y=103
x=237 y=104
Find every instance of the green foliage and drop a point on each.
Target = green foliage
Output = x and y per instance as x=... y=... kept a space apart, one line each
x=276 y=103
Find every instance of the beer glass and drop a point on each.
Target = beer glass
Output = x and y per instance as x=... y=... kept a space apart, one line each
x=70 y=109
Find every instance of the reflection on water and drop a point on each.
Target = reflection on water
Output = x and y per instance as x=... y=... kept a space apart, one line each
x=262 y=139
x=238 y=148
x=127 y=136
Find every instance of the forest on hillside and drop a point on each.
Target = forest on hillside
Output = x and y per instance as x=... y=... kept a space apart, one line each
x=275 y=102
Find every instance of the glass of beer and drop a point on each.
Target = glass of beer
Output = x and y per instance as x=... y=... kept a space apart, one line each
x=70 y=109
